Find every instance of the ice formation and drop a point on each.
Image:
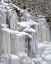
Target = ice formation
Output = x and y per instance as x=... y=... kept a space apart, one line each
x=23 y=40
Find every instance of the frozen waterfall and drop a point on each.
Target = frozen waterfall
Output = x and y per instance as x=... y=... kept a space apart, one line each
x=23 y=40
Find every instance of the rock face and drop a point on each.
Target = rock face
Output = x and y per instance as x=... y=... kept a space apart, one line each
x=20 y=35
x=7 y=1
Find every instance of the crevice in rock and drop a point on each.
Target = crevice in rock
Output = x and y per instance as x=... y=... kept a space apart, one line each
x=7 y=20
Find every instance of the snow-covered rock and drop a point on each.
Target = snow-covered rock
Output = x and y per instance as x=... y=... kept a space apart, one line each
x=14 y=59
x=6 y=58
x=41 y=48
x=34 y=60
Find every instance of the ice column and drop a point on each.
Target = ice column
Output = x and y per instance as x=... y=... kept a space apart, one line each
x=2 y=15
x=17 y=43
x=1 y=40
x=6 y=40
x=44 y=29
x=44 y=34
x=13 y=43
x=20 y=43
x=13 y=21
